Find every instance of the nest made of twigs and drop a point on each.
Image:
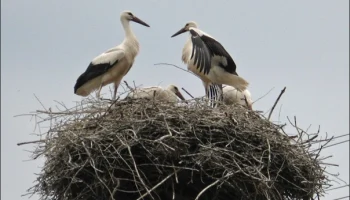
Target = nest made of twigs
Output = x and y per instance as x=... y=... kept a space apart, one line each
x=140 y=149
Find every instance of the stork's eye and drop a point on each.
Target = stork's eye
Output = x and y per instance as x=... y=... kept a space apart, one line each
x=129 y=13
x=187 y=24
x=176 y=88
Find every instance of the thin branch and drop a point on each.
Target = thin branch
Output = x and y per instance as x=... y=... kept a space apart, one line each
x=274 y=105
x=127 y=85
x=346 y=197
x=30 y=142
x=336 y=188
x=155 y=187
x=335 y=144
x=187 y=92
x=263 y=95
x=206 y=188
x=177 y=67
x=40 y=102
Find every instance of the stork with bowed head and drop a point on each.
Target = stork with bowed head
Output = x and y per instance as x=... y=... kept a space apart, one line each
x=169 y=94
x=232 y=95
x=112 y=65
x=209 y=60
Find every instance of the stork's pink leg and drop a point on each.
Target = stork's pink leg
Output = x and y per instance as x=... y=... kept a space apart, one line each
x=98 y=92
x=115 y=93
x=205 y=84
x=116 y=85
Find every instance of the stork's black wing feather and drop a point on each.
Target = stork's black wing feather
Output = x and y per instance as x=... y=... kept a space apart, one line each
x=200 y=53
x=204 y=48
x=216 y=49
x=92 y=72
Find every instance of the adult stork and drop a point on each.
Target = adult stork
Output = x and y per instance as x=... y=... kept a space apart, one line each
x=232 y=95
x=209 y=60
x=169 y=94
x=112 y=65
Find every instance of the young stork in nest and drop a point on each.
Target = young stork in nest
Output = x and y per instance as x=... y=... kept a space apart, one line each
x=209 y=60
x=232 y=95
x=112 y=65
x=169 y=94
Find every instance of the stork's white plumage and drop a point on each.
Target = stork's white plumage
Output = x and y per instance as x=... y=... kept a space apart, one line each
x=112 y=65
x=209 y=60
x=232 y=95
x=169 y=94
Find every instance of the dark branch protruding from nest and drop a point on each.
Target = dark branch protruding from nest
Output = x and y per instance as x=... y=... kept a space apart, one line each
x=274 y=105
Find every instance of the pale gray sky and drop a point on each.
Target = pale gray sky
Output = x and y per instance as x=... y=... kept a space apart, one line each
x=303 y=45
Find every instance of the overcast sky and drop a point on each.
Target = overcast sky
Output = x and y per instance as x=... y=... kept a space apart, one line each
x=303 y=45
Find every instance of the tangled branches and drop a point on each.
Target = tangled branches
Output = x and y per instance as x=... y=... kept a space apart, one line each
x=139 y=149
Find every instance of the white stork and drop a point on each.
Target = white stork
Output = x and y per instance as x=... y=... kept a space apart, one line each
x=112 y=65
x=232 y=95
x=209 y=60
x=168 y=94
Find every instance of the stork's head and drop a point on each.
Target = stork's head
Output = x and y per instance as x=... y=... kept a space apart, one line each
x=186 y=28
x=128 y=16
x=176 y=91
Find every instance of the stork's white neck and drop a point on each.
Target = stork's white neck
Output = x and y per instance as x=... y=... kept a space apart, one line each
x=130 y=42
x=127 y=28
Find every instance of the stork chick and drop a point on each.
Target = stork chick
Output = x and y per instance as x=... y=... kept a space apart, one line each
x=170 y=94
x=112 y=65
x=232 y=95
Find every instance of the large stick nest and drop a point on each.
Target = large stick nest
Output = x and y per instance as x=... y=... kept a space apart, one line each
x=148 y=150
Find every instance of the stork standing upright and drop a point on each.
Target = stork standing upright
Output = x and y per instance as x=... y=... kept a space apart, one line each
x=209 y=60
x=169 y=94
x=112 y=65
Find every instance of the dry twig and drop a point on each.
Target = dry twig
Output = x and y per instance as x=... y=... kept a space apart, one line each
x=274 y=105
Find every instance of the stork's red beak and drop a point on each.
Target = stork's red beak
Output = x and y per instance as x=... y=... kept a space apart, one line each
x=179 y=32
x=137 y=20
x=180 y=96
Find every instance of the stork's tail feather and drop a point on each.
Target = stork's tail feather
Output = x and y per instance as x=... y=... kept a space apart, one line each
x=88 y=87
x=239 y=83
